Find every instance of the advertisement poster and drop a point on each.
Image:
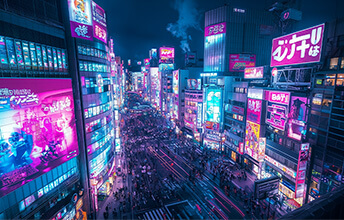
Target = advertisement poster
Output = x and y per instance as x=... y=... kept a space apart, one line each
x=166 y=53
x=3 y=54
x=99 y=22
x=45 y=57
x=297 y=117
x=254 y=73
x=252 y=139
x=254 y=109
x=11 y=53
x=37 y=125
x=298 y=48
x=39 y=56
x=215 y=29
x=33 y=54
x=301 y=170
x=194 y=84
x=50 y=58
x=238 y=62
x=214 y=105
x=80 y=18
x=176 y=82
x=19 y=53
x=26 y=54
x=277 y=110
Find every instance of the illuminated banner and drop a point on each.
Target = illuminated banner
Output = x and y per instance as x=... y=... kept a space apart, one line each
x=199 y=114
x=299 y=47
x=215 y=29
x=254 y=73
x=297 y=117
x=300 y=185
x=277 y=110
x=252 y=139
x=194 y=84
x=80 y=18
x=214 y=105
x=238 y=62
x=254 y=109
x=166 y=53
x=37 y=125
x=176 y=82
x=282 y=167
x=255 y=93
x=99 y=22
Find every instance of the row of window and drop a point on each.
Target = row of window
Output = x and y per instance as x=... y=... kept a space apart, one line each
x=105 y=141
x=334 y=63
x=96 y=110
x=331 y=80
x=98 y=123
x=16 y=54
x=86 y=66
x=91 y=51
x=240 y=90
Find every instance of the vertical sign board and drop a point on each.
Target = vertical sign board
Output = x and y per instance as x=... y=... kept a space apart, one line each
x=176 y=82
x=80 y=18
x=213 y=111
x=300 y=186
x=199 y=114
x=297 y=117
x=265 y=188
x=298 y=48
x=99 y=23
x=277 y=110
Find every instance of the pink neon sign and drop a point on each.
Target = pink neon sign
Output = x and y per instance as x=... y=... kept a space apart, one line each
x=254 y=73
x=238 y=62
x=80 y=19
x=279 y=97
x=215 y=29
x=299 y=47
x=254 y=108
x=99 y=22
x=166 y=52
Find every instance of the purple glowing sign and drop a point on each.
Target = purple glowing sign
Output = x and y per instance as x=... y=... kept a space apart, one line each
x=299 y=47
x=80 y=17
x=277 y=110
x=166 y=53
x=278 y=97
x=215 y=29
x=238 y=62
x=297 y=117
x=38 y=131
x=99 y=23
x=254 y=109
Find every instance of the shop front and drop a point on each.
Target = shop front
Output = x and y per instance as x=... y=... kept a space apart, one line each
x=213 y=140
x=211 y=144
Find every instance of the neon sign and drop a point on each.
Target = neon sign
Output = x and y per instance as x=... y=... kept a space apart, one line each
x=80 y=17
x=215 y=29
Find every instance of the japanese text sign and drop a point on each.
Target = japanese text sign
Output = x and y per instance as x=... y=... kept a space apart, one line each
x=215 y=29
x=166 y=52
x=238 y=62
x=80 y=19
x=279 y=97
x=99 y=22
x=299 y=47
x=254 y=73
x=254 y=108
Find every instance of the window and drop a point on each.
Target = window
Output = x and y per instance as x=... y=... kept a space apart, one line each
x=333 y=63
x=342 y=63
x=340 y=79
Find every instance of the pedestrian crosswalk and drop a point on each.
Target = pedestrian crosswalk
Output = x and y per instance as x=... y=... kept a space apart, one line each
x=157 y=214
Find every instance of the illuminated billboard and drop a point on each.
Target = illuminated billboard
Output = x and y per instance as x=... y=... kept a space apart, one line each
x=298 y=48
x=194 y=84
x=297 y=117
x=215 y=29
x=277 y=110
x=37 y=126
x=176 y=82
x=254 y=109
x=165 y=66
x=166 y=53
x=300 y=185
x=252 y=139
x=213 y=106
x=254 y=73
x=80 y=18
x=238 y=62
x=99 y=22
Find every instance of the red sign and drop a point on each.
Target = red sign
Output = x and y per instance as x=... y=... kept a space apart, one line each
x=298 y=48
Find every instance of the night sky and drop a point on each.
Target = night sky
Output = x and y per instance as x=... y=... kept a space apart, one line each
x=138 y=26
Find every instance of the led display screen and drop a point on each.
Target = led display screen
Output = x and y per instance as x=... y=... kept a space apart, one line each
x=99 y=22
x=19 y=53
x=11 y=52
x=50 y=58
x=37 y=126
x=3 y=54
x=39 y=56
x=55 y=59
x=80 y=18
x=33 y=54
x=297 y=117
x=254 y=73
x=300 y=47
x=45 y=57
x=26 y=54
x=213 y=105
x=238 y=62
x=166 y=52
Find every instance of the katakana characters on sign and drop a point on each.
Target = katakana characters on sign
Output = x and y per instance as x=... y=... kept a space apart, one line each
x=300 y=47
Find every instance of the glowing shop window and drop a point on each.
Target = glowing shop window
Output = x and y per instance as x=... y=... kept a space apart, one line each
x=334 y=63
x=340 y=79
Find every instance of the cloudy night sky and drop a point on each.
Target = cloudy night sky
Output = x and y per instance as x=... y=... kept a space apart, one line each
x=138 y=26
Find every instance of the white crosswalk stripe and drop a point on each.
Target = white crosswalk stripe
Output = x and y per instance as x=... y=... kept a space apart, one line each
x=157 y=214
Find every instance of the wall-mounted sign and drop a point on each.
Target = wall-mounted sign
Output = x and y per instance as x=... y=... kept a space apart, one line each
x=199 y=114
x=300 y=185
x=80 y=18
x=255 y=93
x=298 y=48
x=266 y=187
x=254 y=109
x=254 y=73
x=238 y=62
x=215 y=29
x=166 y=53
x=297 y=117
x=208 y=74
x=99 y=22
x=252 y=139
x=277 y=110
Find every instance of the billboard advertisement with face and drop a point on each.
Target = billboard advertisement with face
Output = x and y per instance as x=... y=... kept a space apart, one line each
x=238 y=62
x=99 y=22
x=80 y=18
x=252 y=139
x=214 y=105
x=299 y=47
x=194 y=84
x=297 y=117
x=37 y=126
